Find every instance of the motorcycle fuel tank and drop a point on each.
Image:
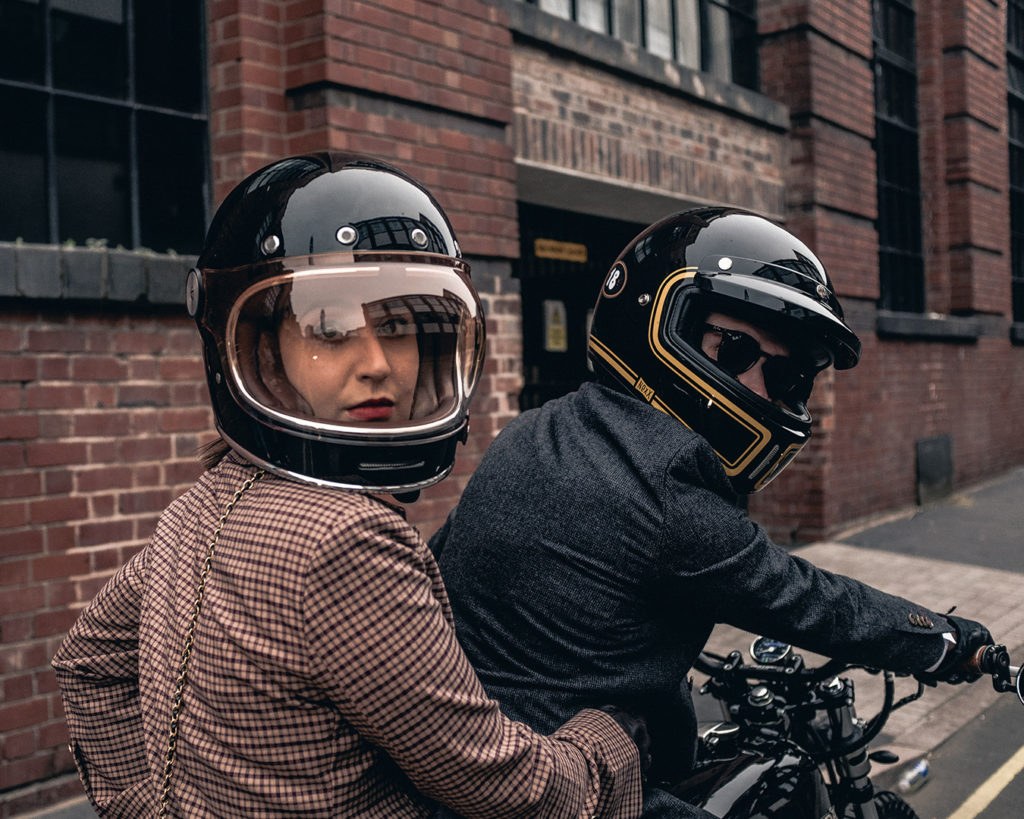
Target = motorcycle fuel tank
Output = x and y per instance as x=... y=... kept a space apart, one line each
x=753 y=786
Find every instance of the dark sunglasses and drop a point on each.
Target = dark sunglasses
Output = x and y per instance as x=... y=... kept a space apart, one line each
x=785 y=379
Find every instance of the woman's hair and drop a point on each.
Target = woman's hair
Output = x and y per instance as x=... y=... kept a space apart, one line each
x=212 y=452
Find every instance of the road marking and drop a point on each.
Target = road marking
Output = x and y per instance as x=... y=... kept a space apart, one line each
x=991 y=787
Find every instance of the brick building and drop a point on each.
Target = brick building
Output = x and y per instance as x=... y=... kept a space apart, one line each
x=885 y=133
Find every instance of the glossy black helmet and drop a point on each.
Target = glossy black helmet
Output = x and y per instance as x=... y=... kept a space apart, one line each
x=651 y=318
x=341 y=333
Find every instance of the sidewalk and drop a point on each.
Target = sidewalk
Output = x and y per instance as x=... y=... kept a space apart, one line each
x=983 y=524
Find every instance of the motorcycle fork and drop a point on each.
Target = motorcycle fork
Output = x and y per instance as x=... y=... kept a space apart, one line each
x=853 y=769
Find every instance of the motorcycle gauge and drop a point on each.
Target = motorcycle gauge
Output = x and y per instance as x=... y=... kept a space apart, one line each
x=768 y=650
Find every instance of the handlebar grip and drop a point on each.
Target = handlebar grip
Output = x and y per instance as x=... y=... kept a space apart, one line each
x=991 y=659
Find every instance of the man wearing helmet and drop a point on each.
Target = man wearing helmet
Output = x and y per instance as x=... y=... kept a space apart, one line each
x=601 y=537
x=284 y=645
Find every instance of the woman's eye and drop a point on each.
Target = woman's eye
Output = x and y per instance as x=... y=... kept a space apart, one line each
x=393 y=326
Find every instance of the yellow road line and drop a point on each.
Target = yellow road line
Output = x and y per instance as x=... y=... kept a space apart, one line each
x=990 y=788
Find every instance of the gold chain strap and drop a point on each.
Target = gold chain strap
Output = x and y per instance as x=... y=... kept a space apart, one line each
x=186 y=652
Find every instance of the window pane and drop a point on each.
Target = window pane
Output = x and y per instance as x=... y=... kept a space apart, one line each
x=89 y=47
x=23 y=209
x=168 y=55
x=688 y=33
x=659 y=28
x=171 y=174
x=21 y=41
x=627 y=21
x=745 y=69
x=560 y=8
x=1015 y=26
x=718 y=50
x=93 y=181
x=592 y=14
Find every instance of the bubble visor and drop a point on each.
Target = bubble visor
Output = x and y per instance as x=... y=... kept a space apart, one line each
x=330 y=308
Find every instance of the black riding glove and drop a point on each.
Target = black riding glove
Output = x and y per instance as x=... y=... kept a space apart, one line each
x=970 y=636
x=635 y=727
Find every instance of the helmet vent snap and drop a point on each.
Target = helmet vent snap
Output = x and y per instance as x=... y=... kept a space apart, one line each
x=725 y=263
x=270 y=244
x=346 y=235
x=419 y=237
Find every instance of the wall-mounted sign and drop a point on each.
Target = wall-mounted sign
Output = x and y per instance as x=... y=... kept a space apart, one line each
x=564 y=251
x=556 y=331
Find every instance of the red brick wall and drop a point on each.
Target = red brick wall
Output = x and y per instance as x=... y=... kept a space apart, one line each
x=100 y=416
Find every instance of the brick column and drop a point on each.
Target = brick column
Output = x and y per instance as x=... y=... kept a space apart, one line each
x=247 y=102
x=968 y=91
x=816 y=58
x=426 y=85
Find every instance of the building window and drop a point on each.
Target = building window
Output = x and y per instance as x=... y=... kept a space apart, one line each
x=901 y=260
x=105 y=137
x=1015 y=105
x=716 y=36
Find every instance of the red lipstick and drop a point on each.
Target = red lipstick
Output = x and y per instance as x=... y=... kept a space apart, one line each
x=376 y=409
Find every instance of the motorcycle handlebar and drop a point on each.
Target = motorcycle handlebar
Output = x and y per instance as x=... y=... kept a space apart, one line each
x=995 y=660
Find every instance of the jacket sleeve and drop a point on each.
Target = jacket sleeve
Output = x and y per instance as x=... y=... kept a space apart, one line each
x=383 y=646
x=726 y=566
x=97 y=669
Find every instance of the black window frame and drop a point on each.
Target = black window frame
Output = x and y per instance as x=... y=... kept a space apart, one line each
x=897 y=154
x=744 y=61
x=52 y=95
x=1015 y=135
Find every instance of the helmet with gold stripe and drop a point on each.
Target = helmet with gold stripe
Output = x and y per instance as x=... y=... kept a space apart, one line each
x=722 y=319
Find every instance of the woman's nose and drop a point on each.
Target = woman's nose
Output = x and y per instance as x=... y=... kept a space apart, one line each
x=373 y=362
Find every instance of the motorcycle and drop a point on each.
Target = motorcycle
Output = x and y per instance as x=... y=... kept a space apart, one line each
x=791 y=745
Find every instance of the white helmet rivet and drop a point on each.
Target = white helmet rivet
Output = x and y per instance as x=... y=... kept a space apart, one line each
x=644 y=299
x=346 y=235
x=419 y=237
x=270 y=244
x=724 y=263
x=822 y=291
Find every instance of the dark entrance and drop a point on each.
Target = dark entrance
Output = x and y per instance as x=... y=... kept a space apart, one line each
x=563 y=258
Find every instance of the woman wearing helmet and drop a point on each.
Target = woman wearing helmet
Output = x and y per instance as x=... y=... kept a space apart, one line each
x=281 y=647
x=614 y=512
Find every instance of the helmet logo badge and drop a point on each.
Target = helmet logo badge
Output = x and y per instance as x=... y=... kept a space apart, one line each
x=346 y=235
x=419 y=237
x=725 y=263
x=615 y=281
x=270 y=244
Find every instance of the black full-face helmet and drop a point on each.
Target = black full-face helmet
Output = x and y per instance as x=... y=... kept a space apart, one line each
x=342 y=336
x=652 y=316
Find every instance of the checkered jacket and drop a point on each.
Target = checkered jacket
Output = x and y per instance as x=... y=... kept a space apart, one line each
x=325 y=678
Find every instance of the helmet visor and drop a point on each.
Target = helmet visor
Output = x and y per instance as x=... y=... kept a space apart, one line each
x=364 y=349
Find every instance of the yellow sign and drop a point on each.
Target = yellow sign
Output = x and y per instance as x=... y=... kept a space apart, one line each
x=565 y=251
x=556 y=331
